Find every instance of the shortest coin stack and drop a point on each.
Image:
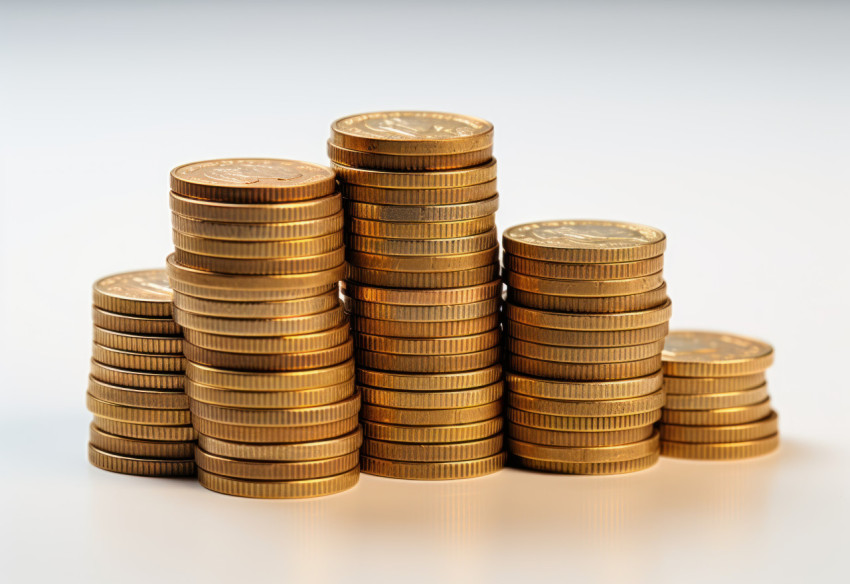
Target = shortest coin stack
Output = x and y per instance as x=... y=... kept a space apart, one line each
x=141 y=415
x=717 y=407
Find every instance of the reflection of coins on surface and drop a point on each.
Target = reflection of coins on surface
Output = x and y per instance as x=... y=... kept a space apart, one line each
x=731 y=433
x=279 y=489
x=721 y=451
x=707 y=354
x=433 y=470
x=140 y=466
x=142 y=293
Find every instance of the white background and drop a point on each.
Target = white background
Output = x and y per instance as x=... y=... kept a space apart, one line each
x=723 y=123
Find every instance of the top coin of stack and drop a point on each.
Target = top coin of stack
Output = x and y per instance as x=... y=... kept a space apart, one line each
x=586 y=318
x=423 y=290
x=270 y=373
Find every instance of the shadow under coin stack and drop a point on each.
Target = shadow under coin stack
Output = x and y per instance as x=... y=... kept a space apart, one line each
x=717 y=406
x=141 y=415
x=270 y=373
x=423 y=291
x=585 y=322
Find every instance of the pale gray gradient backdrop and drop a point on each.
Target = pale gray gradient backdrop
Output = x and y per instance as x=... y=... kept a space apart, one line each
x=723 y=123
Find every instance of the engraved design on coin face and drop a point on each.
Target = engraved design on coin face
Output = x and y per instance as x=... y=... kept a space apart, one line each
x=412 y=126
x=708 y=347
x=253 y=172
x=587 y=234
x=143 y=285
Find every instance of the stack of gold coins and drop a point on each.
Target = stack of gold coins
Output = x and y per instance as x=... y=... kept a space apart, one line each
x=141 y=415
x=585 y=322
x=270 y=372
x=717 y=406
x=423 y=290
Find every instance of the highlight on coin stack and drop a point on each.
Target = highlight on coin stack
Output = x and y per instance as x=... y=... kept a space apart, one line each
x=718 y=407
x=585 y=321
x=141 y=415
x=423 y=290
x=270 y=374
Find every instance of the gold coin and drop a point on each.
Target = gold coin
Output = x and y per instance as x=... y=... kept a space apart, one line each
x=422 y=213
x=323 y=414
x=420 y=230
x=142 y=293
x=433 y=471
x=153 y=417
x=708 y=354
x=445 y=263
x=589 y=468
x=582 y=439
x=562 y=271
x=594 y=409
x=446 y=196
x=718 y=417
x=713 y=434
x=584 y=371
x=275 y=471
x=321 y=449
x=586 y=454
x=150 y=344
x=589 y=322
x=240 y=398
x=137 y=361
x=301 y=489
x=417 y=247
x=138 y=398
x=421 y=313
x=267 y=345
x=713 y=401
x=466 y=277
x=146 y=432
x=257 y=249
x=583 y=288
x=450 y=296
x=136 y=379
x=243 y=298
x=440 y=179
x=412 y=133
x=140 y=466
x=433 y=434
x=628 y=303
x=438 y=400
x=412 y=329
x=258 y=232
x=274 y=362
x=113 y=444
x=583 y=390
x=582 y=423
x=405 y=162
x=441 y=382
x=699 y=385
x=252 y=180
x=722 y=451
x=138 y=325
x=275 y=381
x=447 y=417
x=583 y=354
x=424 y=347
x=261 y=327
x=568 y=338
x=273 y=309
x=275 y=434
x=407 y=452
x=286 y=266
x=428 y=363
x=258 y=213
x=584 y=241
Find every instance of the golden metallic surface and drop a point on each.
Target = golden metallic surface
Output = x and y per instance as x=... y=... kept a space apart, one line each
x=446 y=196
x=292 y=452
x=412 y=133
x=138 y=398
x=433 y=471
x=420 y=230
x=441 y=382
x=257 y=213
x=141 y=293
x=583 y=354
x=440 y=179
x=273 y=470
x=323 y=414
x=713 y=434
x=136 y=379
x=416 y=247
x=239 y=398
x=434 y=400
x=261 y=327
x=136 y=415
x=721 y=451
x=140 y=466
x=433 y=434
x=713 y=401
x=279 y=489
x=262 y=267
x=589 y=468
x=442 y=297
x=427 y=330
x=146 y=432
x=586 y=454
x=252 y=180
x=718 y=417
x=139 y=325
x=419 y=313
x=427 y=363
x=583 y=390
x=422 y=213
x=598 y=409
x=150 y=344
x=423 y=347
x=267 y=345
x=408 y=162
x=583 y=371
x=407 y=452
x=562 y=271
x=447 y=417
x=394 y=279
x=700 y=385
x=275 y=434
x=583 y=288
x=443 y=263
x=265 y=381
x=579 y=439
x=245 y=301
x=270 y=309
x=137 y=361
x=584 y=241
x=603 y=304
x=113 y=444
x=568 y=338
x=590 y=322
x=710 y=354
x=274 y=362
x=258 y=232
x=581 y=423
x=254 y=250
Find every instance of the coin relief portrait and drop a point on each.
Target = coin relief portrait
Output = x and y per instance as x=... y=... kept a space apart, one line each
x=249 y=172
x=414 y=126
x=596 y=235
x=710 y=347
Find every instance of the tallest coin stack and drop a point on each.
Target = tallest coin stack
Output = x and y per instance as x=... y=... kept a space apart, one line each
x=423 y=290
